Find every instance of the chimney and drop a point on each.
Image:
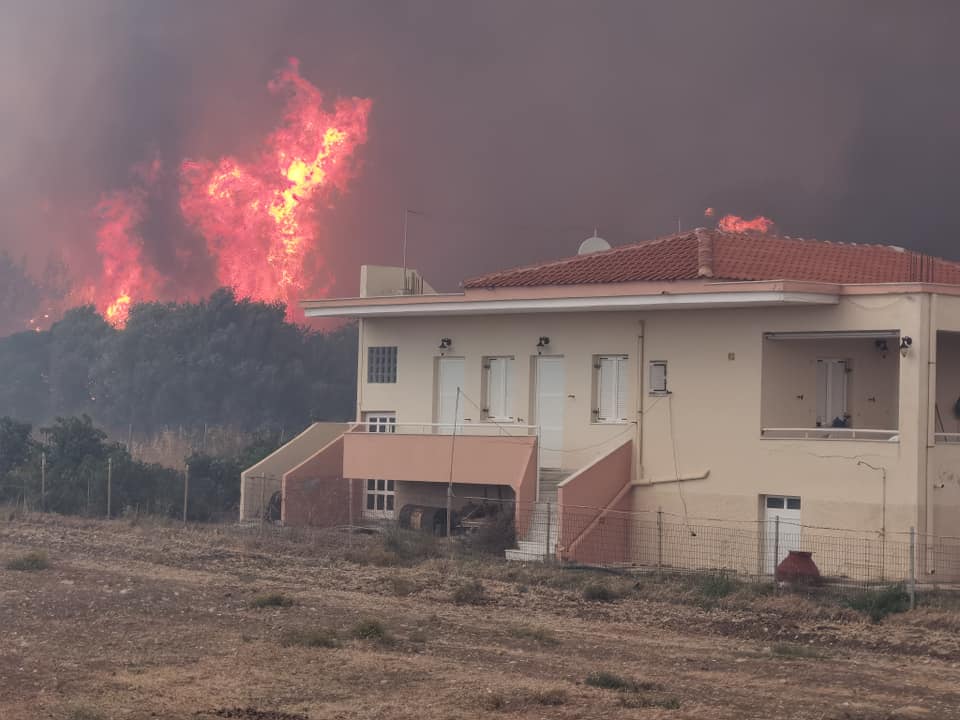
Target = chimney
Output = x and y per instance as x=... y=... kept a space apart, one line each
x=704 y=253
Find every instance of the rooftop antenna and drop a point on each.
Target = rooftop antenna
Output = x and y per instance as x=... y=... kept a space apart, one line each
x=678 y=225
x=407 y=212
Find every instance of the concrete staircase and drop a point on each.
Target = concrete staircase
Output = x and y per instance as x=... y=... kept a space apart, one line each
x=543 y=523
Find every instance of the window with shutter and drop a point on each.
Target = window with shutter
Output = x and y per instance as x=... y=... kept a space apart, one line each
x=611 y=388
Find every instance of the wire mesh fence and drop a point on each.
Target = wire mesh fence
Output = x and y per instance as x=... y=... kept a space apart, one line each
x=778 y=550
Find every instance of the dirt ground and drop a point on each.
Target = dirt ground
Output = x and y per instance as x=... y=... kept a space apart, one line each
x=153 y=621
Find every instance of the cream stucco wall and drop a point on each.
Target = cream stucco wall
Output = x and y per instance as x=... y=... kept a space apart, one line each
x=576 y=337
x=710 y=423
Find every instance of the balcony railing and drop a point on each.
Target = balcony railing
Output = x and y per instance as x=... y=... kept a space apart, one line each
x=486 y=429
x=831 y=433
x=942 y=438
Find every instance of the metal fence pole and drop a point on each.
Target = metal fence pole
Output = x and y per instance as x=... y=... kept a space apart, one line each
x=776 y=548
x=186 y=491
x=913 y=569
x=659 y=542
x=109 y=485
x=547 y=553
x=43 y=482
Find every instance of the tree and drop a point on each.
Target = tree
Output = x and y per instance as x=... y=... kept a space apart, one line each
x=19 y=295
x=15 y=445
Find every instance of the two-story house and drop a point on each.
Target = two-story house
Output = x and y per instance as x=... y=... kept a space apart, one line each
x=707 y=374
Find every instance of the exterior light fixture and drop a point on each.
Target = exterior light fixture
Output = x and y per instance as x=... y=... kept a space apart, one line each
x=445 y=343
x=905 y=344
x=543 y=342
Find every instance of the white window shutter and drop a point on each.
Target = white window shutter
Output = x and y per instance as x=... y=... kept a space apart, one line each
x=607 y=389
x=498 y=388
x=621 y=410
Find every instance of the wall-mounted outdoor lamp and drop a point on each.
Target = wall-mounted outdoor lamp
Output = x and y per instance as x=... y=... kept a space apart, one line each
x=905 y=344
x=445 y=343
x=543 y=342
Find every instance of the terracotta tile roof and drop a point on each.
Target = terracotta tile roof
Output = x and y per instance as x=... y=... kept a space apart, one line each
x=732 y=256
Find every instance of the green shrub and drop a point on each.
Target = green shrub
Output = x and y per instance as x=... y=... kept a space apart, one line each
x=470 y=593
x=786 y=650
x=643 y=701
x=877 y=604
x=36 y=560
x=716 y=586
x=410 y=546
x=402 y=587
x=272 y=599
x=521 y=699
x=495 y=537
x=611 y=681
x=310 y=638
x=372 y=630
x=598 y=592
x=541 y=635
x=83 y=713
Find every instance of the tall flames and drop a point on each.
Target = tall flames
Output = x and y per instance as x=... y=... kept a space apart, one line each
x=126 y=276
x=735 y=223
x=258 y=218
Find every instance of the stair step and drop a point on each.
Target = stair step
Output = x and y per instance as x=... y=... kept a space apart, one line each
x=521 y=556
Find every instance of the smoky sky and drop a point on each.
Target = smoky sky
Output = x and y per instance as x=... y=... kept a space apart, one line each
x=515 y=127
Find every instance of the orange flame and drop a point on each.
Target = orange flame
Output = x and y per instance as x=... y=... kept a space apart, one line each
x=257 y=218
x=125 y=274
x=735 y=223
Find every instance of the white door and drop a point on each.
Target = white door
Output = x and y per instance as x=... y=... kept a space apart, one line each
x=831 y=393
x=783 y=536
x=380 y=494
x=449 y=382
x=550 y=400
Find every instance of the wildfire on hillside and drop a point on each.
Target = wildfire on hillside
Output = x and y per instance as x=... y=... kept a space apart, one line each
x=257 y=217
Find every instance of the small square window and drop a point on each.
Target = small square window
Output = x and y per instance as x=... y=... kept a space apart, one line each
x=382 y=364
x=775 y=503
x=658 y=376
x=793 y=503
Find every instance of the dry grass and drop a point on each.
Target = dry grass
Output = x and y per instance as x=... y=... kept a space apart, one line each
x=271 y=599
x=32 y=561
x=470 y=592
x=522 y=699
x=541 y=635
x=315 y=638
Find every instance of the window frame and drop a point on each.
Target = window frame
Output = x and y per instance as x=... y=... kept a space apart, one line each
x=621 y=389
x=382 y=370
x=665 y=389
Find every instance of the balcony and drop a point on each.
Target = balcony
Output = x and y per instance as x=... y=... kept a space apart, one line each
x=476 y=454
x=840 y=386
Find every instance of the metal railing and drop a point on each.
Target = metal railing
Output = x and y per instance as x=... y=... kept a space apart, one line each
x=944 y=438
x=481 y=429
x=831 y=433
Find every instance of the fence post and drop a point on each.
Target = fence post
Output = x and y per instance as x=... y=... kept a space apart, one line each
x=186 y=491
x=547 y=549
x=913 y=568
x=776 y=548
x=659 y=542
x=109 y=484
x=350 y=512
x=43 y=481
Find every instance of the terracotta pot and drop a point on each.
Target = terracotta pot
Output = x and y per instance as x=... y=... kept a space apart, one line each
x=798 y=567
